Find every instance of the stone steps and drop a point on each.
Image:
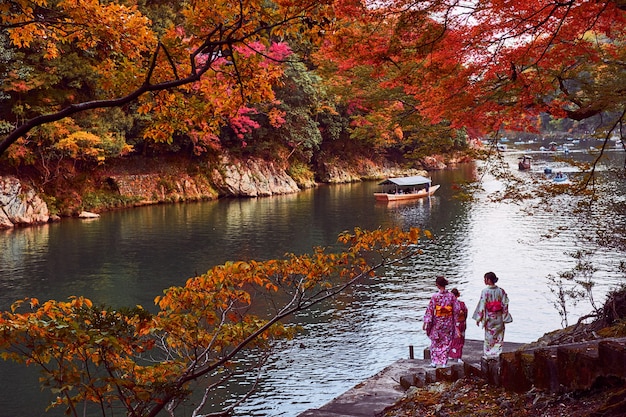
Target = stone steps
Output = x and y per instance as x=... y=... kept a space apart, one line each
x=556 y=369
x=371 y=396
x=562 y=368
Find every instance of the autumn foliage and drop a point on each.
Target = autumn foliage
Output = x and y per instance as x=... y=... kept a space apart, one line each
x=404 y=74
x=191 y=67
x=88 y=79
x=144 y=362
x=480 y=66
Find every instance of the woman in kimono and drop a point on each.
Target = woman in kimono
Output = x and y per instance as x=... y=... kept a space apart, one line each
x=456 y=349
x=440 y=322
x=492 y=312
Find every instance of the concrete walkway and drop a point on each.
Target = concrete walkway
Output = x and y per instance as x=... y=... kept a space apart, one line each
x=382 y=390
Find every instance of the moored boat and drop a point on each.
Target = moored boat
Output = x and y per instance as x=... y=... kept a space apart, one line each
x=406 y=188
x=524 y=162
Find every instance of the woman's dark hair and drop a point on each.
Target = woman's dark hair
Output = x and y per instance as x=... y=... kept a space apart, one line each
x=491 y=277
x=455 y=292
x=441 y=281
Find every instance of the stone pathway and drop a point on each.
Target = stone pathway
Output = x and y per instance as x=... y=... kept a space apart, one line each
x=384 y=389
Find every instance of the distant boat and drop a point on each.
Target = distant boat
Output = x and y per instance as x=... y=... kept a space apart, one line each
x=524 y=162
x=406 y=188
x=560 y=178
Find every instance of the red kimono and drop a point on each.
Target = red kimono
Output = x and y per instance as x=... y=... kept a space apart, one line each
x=456 y=349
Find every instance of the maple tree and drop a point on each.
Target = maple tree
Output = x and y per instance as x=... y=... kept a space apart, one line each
x=193 y=67
x=406 y=73
x=145 y=363
x=482 y=66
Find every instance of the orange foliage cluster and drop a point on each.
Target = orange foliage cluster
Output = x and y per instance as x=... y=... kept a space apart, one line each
x=192 y=73
x=398 y=66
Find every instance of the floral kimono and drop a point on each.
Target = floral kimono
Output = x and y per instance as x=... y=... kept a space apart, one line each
x=493 y=312
x=456 y=349
x=439 y=322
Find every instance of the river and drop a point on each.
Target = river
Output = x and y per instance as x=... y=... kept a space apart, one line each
x=128 y=257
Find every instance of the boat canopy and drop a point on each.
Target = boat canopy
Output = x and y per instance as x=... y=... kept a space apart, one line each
x=406 y=181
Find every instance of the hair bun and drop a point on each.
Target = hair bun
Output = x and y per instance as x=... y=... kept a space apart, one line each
x=441 y=281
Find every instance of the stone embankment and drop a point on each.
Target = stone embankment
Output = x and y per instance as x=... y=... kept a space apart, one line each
x=555 y=369
x=564 y=368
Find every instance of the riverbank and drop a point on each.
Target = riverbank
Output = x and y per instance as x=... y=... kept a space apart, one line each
x=457 y=391
x=385 y=389
x=583 y=376
x=27 y=199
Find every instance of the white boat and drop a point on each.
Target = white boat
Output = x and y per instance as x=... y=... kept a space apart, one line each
x=406 y=188
x=560 y=178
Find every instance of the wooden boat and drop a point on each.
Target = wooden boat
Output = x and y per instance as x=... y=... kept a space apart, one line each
x=524 y=162
x=406 y=188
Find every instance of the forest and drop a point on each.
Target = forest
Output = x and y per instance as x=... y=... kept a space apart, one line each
x=88 y=82
x=85 y=82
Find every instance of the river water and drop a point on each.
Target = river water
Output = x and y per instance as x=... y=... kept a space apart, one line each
x=128 y=257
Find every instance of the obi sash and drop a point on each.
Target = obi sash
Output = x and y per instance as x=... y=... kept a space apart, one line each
x=443 y=311
x=494 y=306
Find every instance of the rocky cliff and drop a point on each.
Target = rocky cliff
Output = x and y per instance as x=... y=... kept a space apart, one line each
x=20 y=205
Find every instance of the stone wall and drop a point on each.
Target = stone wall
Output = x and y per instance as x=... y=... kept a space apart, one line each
x=564 y=368
x=153 y=188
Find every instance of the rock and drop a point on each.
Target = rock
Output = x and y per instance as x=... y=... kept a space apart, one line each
x=88 y=215
x=20 y=205
x=252 y=177
x=5 y=222
x=334 y=171
x=431 y=163
x=246 y=177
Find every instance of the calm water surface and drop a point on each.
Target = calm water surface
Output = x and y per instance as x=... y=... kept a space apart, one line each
x=128 y=257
